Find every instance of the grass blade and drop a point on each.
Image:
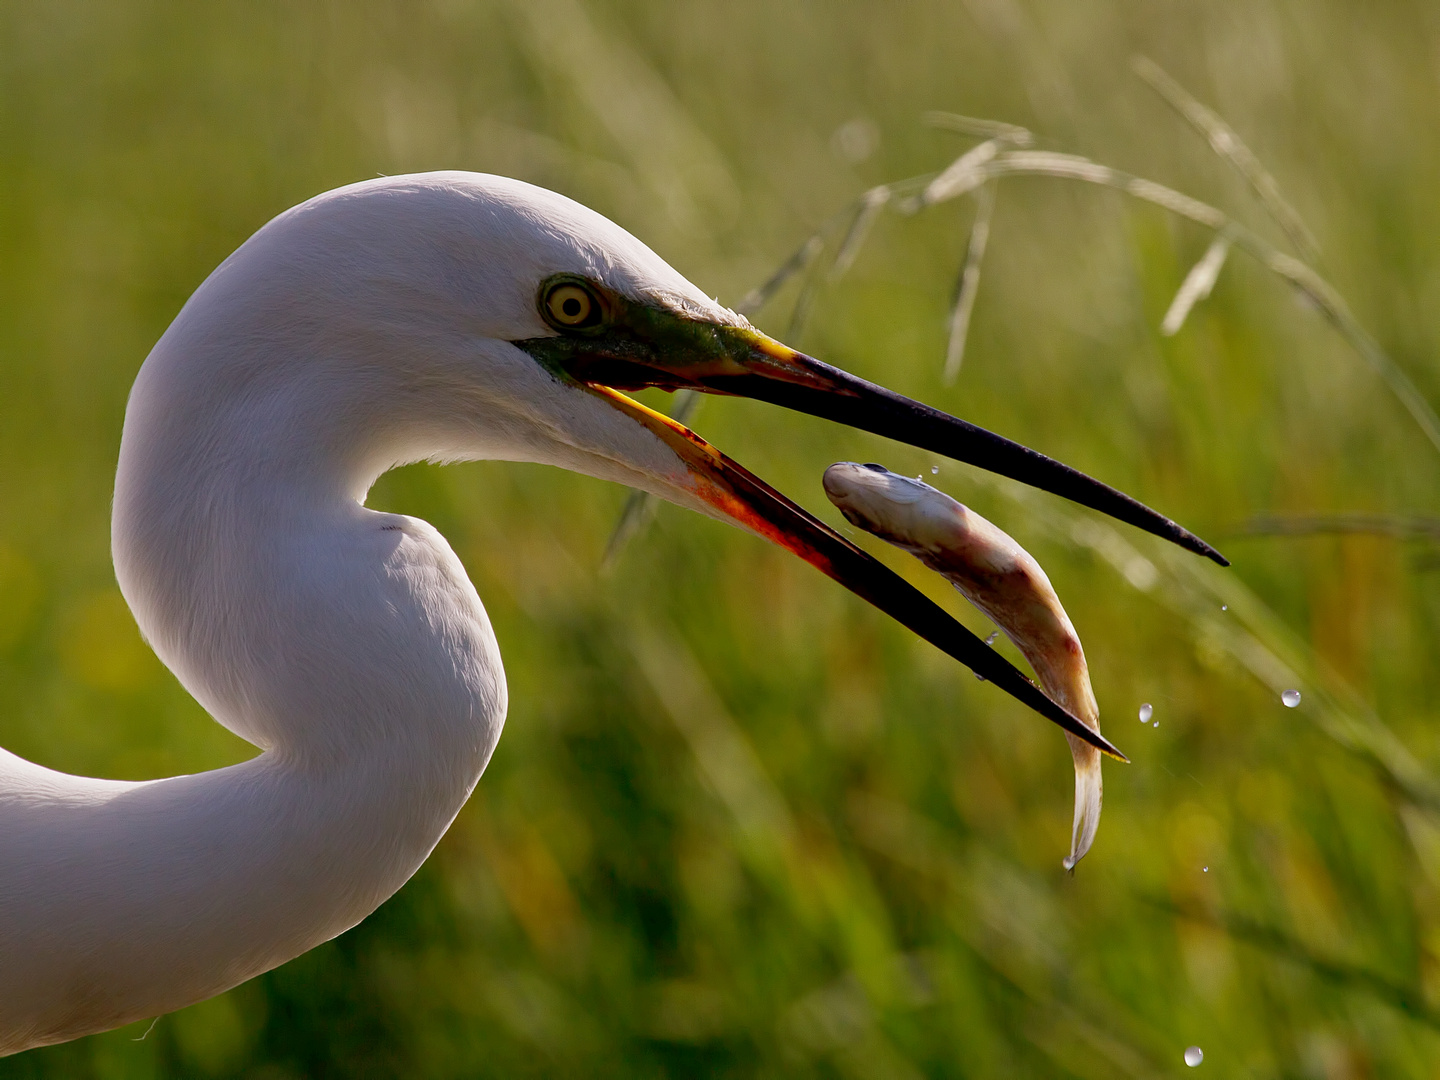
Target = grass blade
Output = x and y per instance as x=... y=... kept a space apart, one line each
x=981 y=129
x=804 y=255
x=871 y=203
x=1228 y=145
x=1197 y=285
x=1315 y=288
x=969 y=282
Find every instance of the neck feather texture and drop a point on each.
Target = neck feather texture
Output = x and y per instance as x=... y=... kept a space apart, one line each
x=349 y=645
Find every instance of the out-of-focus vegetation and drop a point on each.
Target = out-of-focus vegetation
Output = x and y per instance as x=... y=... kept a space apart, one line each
x=739 y=823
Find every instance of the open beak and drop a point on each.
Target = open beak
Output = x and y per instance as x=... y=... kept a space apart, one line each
x=744 y=498
x=645 y=347
x=755 y=366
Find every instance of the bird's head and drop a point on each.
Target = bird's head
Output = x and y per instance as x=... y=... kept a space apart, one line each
x=523 y=318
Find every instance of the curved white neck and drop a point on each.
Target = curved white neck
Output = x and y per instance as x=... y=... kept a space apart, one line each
x=348 y=644
x=367 y=327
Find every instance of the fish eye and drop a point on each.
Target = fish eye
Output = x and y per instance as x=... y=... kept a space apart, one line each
x=570 y=305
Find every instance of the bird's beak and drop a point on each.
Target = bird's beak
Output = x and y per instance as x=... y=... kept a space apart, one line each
x=737 y=494
x=643 y=347
x=746 y=363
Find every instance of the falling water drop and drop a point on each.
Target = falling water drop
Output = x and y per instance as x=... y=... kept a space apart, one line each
x=934 y=469
x=1193 y=1056
x=1146 y=711
x=1204 y=869
x=988 y=641
x=1224 y=607
x=1291 y=698
x=1156 y=724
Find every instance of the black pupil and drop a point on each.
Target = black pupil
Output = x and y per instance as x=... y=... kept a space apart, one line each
x=571 y=306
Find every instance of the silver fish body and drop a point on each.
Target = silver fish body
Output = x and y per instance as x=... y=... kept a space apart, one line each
x=1000 y=578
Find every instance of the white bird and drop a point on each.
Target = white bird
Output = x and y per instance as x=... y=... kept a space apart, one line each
x=441 y=316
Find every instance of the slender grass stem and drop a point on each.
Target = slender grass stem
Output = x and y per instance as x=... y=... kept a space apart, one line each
x=1229 y=146
x=1311 y=285
x=969 y=284
x=759 y=296
x=977 y=127
x=1197 y=284
x=871 y=203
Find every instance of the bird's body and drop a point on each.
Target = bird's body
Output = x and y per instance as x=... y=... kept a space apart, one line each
x=444 y=316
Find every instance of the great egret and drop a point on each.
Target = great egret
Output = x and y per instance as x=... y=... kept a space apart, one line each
x=439 y=316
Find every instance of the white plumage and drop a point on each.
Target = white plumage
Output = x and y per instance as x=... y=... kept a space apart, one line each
x=366 y=328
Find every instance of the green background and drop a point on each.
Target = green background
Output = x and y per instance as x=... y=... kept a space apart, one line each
x=740 y=824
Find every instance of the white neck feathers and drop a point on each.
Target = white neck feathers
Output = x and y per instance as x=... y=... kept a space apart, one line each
x=348 y=644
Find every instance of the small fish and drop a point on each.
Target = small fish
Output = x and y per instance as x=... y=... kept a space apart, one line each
x=1000 y=578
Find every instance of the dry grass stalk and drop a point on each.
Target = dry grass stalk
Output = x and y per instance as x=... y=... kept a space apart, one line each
x=1197 y=285
x=640 y=505
x=977 y=127
x=969 y=282
x=958 y=177
x=1228 y=145
x=1314 y=287
x=993 y=160
x=757 y=298
x=871 y=203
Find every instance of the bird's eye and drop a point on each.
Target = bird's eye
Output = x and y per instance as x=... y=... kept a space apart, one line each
x=570 y=306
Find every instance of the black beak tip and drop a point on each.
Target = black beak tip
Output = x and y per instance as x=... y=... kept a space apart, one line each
x=1200 y=547
x=1163 y=527
x=1105 y=746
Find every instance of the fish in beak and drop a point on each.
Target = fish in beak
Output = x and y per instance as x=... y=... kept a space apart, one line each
x=1000 y=578
x=608 y=343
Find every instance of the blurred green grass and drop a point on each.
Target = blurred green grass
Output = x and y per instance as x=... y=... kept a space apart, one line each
x=739 y=823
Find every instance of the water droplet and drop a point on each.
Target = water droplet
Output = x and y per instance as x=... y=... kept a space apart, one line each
x=991 y=639
x=1204 y=869
x=1156 y=724
x=1291 y=698
x=1193 y=1056
x=934 y=469
x=978 y=676
x=1224 y=607
x=1146 y=711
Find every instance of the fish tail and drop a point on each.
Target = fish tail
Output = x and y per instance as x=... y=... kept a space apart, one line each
x=1088 y=797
